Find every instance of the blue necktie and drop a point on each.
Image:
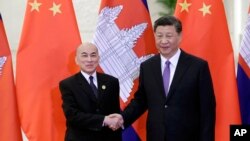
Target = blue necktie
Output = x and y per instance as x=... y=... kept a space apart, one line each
x=93 y=86
x=166 y=77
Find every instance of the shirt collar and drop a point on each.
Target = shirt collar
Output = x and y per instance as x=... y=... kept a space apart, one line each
x=87 y=75
x=173 y=60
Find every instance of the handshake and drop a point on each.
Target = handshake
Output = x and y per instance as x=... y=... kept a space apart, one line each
x=113 y=121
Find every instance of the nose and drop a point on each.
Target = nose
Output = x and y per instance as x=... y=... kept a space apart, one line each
x=164 y=40
x=89 y=58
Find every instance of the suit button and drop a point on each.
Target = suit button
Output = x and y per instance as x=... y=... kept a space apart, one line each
x=165 y=106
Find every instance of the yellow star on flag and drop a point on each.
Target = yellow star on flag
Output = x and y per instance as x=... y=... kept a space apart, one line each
x=35 y=5
x=56 y=9
x=185 y=6
x=205 y=9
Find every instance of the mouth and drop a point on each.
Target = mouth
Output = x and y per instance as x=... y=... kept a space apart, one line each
x=89 y=66
x=165 y=47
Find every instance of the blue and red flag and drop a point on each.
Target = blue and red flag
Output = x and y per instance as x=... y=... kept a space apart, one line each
x=243 y=75
x=124 y=37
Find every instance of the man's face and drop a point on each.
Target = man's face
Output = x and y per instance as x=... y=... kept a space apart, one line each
x=87 y=58
x=167 y=40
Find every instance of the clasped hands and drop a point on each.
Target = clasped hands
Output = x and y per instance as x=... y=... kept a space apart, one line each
x=113 y=121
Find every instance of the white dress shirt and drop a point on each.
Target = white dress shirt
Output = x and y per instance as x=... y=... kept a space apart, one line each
x=173 y=64
x=94 y=78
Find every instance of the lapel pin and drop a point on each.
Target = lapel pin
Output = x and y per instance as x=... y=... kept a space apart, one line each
x=103 y=87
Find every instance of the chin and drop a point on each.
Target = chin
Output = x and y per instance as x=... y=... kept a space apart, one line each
x=90 y=71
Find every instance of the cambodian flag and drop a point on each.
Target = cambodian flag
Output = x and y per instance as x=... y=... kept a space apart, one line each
x=124 y=37
x=243 y=75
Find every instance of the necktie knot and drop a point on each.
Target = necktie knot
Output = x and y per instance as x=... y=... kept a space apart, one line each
x=167 y=63
x=91 y=78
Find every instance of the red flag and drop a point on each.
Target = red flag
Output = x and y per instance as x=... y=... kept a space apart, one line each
x=205 y=34
x=45 y=56
x=10 y=129
x=124 y=37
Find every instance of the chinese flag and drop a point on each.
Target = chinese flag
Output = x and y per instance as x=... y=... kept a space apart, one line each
x=243 y=75
x=124 y=37
x=45 y=56
x=10 y=129
x=205 y=34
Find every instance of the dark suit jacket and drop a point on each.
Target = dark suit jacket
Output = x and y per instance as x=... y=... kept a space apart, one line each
x=84 y=112
x=188 y=111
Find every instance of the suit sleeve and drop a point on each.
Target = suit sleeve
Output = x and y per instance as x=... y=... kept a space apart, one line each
x=138 y=104
x=207 y=105
x=76 y=117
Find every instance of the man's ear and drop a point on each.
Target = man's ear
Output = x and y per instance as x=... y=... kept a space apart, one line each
x=180 y=37
x=76 y=61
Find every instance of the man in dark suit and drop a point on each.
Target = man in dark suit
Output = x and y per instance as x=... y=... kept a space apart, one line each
x=176 y=89
x=88 y=97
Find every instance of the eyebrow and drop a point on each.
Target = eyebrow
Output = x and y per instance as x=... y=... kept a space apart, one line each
x=90 y=53
x=164 y=33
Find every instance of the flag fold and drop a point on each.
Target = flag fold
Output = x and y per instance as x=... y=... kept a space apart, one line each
x=45 y=56
x=206 y=35
x=10 y=129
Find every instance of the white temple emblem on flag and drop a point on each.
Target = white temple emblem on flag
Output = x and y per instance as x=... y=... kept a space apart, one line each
x=115 y=46
x=245 y=44
x=2 y=62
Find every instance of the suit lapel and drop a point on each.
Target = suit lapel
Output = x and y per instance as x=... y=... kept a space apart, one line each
x=182 y=66
x=158 y=74
x=85 y=87
x=102 y=85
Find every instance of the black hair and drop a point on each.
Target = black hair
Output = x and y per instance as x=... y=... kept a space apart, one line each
x=169 y=20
